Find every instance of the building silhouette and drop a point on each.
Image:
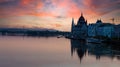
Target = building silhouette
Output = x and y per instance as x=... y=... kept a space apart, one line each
x=102 y=29
x=79 y=31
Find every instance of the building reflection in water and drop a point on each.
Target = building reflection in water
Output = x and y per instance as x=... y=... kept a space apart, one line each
x=79 y=47
x=97 y=50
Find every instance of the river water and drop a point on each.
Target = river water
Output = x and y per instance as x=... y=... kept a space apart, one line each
x=20 y=51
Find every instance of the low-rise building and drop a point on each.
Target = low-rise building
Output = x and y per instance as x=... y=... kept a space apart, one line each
x=117 y=31
x=103 y=29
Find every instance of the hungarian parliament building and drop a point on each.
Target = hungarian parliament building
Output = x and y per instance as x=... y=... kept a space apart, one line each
x=81 y=30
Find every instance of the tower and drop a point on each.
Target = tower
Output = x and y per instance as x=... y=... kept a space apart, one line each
x=79 y=31
x=72 y=27
x=81 y=20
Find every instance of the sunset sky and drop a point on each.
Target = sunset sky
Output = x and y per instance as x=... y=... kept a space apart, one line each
x=56 y=14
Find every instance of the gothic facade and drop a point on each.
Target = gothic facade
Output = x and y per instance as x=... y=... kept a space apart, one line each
x=79 y=31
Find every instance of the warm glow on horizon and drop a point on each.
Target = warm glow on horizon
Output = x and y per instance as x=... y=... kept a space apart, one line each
x=56 y=14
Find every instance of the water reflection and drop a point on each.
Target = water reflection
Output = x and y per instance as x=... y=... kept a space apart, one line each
x=98 y=50
x=79 y=47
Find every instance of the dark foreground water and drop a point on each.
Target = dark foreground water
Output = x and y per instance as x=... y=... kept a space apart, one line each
x=55 y=52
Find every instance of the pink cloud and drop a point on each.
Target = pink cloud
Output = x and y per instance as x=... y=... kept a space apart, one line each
x=71 y=9
x=74 y=11
x=100 y=7
x=39 y=5
x=60 y=8
x=26 y=2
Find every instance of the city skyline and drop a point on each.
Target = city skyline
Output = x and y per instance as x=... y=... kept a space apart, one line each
x=56 y=14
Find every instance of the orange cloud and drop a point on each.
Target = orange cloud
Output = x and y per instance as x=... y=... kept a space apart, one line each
x=42 y=14
x=74 y=11
x=58 y=25
x=25 y=2
x=39 y=5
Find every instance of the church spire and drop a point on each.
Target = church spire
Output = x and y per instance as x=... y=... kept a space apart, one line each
x=73 y=22
x=81 y=14
x=81 y=20
x=72 y=26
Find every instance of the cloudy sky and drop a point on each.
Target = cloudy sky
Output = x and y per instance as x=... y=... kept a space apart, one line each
x=56 y=14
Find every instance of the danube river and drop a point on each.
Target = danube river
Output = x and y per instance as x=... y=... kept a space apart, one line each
x=17 y=51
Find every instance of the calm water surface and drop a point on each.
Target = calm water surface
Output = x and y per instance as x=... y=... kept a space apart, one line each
x=54 y=52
